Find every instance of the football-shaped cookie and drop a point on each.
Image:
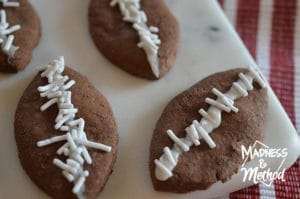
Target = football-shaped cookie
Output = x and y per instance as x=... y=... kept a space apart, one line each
x=197 y=140
x=140 y=37
x=20 y=33
x=60 y=155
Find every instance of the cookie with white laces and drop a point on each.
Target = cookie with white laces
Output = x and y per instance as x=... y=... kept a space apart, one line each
x=197 y=140
x=66 y=133
x=139 y=36
x=20 y=33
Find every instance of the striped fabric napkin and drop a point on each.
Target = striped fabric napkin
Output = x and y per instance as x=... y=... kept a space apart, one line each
x=271 y=31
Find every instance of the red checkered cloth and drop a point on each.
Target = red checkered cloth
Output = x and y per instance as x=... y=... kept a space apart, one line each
x=271 y=31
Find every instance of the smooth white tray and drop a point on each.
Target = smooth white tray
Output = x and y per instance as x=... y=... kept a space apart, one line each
x=137 y=103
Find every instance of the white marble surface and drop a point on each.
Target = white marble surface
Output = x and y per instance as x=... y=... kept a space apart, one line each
x=203 y=51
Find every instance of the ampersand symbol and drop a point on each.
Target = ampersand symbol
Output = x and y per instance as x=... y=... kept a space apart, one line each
x=262 y=163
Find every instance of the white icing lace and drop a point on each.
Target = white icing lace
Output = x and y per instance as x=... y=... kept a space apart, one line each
x=75 y=148
x=210 y=120
x=6 y=37
x=149 y=40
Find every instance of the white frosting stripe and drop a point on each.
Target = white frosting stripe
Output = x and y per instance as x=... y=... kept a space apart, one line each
x=161 y=167
x=80 y=182
x=204 y=134
x=226 y=100
x=217 y=104
x=245 y=81
x=205 y=115
x=240 y=89
x=177 y=140
x=149 y=40
x=169 y=155
x=257 y=77
x=193 y=134
x=56 y=91
x=6 y=37
x=51 y=140
x=211 y=119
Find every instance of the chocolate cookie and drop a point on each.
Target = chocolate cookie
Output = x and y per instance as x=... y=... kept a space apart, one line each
x=140 y=38
x=52 y=164
x=191 y=151
x=22 y=37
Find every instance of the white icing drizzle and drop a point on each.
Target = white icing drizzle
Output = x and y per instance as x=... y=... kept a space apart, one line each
x=149 y=39
x=211 y=119
x=6 y=37
x=76 y=141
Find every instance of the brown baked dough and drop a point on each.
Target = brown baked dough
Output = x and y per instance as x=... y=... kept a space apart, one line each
x=117 y=40
x=32 y=125
x=26 y=38
x=201 y=167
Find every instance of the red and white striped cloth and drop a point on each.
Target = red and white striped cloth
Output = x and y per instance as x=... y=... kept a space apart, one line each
x=271 y=31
